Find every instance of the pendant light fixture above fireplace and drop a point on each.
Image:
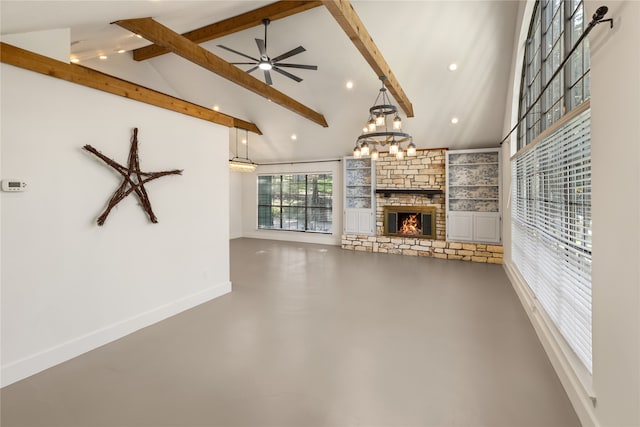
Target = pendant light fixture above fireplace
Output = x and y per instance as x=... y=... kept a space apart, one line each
x=384 y=127
x=242 y=164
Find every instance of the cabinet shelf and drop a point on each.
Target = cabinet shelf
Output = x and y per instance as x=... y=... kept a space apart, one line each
x=473 y=195
x=359 y=199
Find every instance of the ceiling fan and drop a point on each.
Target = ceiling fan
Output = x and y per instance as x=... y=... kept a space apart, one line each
x=266 y=63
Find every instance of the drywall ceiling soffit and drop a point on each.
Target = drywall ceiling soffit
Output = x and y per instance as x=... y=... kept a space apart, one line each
x=344 y=14
x=84 y=76
x=180 y=45
x=244 y=21
x=341 y=10
x=418 y=39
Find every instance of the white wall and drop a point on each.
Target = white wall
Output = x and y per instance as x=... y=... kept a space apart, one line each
x=250 y=203
x=615 y=145
x=615 y=142
x=68 y=285
x=235 y=204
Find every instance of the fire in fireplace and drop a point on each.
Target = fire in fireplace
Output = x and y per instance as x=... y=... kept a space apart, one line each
x=410 y=225
x=410 y=221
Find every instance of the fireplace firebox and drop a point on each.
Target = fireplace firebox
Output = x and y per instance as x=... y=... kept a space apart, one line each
x=410 y=221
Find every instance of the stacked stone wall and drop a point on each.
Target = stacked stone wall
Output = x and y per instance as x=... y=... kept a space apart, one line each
x=425 y=171
x=474 y=252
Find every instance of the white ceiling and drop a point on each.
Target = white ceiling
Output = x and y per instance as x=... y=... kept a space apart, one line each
x=419 y=39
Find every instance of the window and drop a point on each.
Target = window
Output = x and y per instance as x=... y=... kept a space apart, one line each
x=551 y=175
x=551 y=228
x=295 y=202
x=547 y=44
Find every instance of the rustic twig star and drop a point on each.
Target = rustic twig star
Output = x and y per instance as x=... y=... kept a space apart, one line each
x=134 y=179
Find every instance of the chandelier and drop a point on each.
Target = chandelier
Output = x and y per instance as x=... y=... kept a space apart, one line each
x=242 y=164
x=377 y=133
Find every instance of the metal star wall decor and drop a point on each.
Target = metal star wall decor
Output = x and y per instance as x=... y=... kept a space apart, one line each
x=134 y=179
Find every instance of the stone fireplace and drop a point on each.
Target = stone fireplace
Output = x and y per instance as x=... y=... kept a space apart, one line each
x=410 y=221
x=415 y=186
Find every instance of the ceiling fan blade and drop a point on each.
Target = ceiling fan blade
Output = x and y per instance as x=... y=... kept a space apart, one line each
x=304 y=67
x=284 y=73
x=267 y=77
x=242 y=63
x=292 y=52
x=261 y=47
x=238 y=53
x=251 y=70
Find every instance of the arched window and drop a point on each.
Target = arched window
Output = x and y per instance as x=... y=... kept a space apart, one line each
x=555 y=27
x=551 y=177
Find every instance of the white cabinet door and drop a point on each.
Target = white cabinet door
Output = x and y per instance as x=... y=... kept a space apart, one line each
x=460 y=226
x=486 y=227
x=358 y=221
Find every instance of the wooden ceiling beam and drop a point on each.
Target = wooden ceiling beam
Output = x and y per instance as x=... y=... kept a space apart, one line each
x=343 y=12
x=163 y=36
x=273 y=11
x=94 y=79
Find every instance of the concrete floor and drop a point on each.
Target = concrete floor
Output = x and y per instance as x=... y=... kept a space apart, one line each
x=316 y=336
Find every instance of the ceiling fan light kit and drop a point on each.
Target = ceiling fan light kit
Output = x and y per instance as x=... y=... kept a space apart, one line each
x=376 y=131
x=266 y=63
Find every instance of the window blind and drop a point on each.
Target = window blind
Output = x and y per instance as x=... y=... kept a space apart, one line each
x=551 y=228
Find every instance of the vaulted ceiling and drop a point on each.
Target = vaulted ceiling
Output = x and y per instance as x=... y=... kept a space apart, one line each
x=418 y=39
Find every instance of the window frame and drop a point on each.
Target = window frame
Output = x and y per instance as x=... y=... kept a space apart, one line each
x=303 y=212
x=551 y=34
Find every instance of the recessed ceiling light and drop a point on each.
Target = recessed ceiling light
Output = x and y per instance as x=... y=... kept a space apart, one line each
x=349 y=84
x=453 y=67
x=216 y=108
x=121 y=51
x=138 y=36
x=103 y=57
x=294 y=136
x=75 y=60
x=454 y=120
x=244 y=140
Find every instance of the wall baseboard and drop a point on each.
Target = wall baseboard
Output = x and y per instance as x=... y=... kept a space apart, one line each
x=289 y=236
x=578 y=395
x=50 y=357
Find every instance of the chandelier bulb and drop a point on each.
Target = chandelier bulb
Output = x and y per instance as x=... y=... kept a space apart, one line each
x=374 y=154
x=397 y=122
x=411 y=149
x=380 y=120
x=357 y=153
x=364 y=149
x=393 y=148
x=371 y=124
x=400 y=155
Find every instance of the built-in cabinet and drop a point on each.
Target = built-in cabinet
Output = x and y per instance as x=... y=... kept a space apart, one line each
x=359 y=196
x=474 y=196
